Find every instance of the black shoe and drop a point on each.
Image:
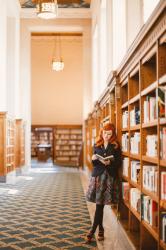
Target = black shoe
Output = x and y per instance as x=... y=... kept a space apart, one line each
x=89 y=237
x=100 y=235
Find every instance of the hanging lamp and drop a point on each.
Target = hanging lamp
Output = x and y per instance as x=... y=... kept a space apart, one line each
x=47 y=9
x=57 y=61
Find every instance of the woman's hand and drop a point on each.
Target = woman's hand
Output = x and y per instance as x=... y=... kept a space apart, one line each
x=107 y=162
x=94 y=157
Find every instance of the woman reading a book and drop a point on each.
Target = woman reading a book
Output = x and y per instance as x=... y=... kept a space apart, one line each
x=103 y=186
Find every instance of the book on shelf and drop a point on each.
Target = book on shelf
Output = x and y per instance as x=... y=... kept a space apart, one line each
x=150 y=178
x=109 y=157
x=161 y=101
x=163 y=143
x=163 y=215
x=135 y=143
x=149 y=210
x=151 y=141
x=125 y=117
x=135 y=171
x=150 y=112
x=135 y=199
x=134 y=116
x=163 y=185
x=125 y=191
x=125 y=166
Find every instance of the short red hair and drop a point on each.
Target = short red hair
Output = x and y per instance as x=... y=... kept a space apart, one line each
x=113 y=139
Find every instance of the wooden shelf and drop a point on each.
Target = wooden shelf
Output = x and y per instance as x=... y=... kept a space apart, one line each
x=135 y=156
x=135 y=184
x=163 y=244
x=149 y=89
x=125 y=129
x=125 y=178
x=163 y=203
x=125 y=153
x=151 y=194
x=62 y=155
x=162 y=79
x=125 y=105
x=150 y=159
x=134 y=99
x=150 y=124
x=126 y=203
x=153 y=231
x=163 y=163
x=136 y=127
x=137 y=215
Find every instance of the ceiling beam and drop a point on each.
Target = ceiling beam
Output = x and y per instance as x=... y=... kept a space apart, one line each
x=56 y=34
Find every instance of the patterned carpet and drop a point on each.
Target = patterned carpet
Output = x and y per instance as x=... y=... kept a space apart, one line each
x=45 y=211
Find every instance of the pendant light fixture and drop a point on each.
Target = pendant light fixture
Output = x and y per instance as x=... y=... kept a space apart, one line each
x=57 y=61
x=47 y=9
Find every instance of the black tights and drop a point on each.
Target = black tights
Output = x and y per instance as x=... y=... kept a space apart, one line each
x=98 y=218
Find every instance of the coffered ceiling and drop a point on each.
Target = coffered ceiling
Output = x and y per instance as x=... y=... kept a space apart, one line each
x=61 y=3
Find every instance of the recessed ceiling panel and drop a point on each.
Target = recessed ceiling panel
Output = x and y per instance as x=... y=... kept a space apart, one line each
x=61 y=3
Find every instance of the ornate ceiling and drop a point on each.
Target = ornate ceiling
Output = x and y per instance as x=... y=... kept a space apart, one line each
x=61 y=3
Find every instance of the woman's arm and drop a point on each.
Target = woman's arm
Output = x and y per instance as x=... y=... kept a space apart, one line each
x=116 y=163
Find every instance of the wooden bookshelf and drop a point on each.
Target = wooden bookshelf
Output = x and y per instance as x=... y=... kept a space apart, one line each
x=141 y=123
x=42 y=135
x=20 y=143
x=67 y=144
x=7 y=150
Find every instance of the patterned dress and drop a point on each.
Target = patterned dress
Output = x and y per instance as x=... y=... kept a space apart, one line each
x=104 y=184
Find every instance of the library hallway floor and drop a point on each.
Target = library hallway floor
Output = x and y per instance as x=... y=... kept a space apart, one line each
x=46 y=209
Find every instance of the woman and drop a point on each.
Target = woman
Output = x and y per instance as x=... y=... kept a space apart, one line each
x=103 y=187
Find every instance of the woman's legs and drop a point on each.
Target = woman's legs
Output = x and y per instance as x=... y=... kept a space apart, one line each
x=98 y=218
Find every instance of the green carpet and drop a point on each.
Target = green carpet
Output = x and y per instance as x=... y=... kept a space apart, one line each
x=49 y=211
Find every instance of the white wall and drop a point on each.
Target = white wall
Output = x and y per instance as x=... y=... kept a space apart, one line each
x=3 y=51
x=9 y=60
x=124 y=19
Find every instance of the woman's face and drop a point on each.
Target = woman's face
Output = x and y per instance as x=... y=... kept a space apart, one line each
x=107 y=135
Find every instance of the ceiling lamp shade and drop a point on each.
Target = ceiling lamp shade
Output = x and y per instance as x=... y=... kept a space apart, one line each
x=57 y=61
x=57 y=65
x=47 y=9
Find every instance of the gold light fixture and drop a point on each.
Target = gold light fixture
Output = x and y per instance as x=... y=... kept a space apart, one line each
x=47 y=9
x=57 y=61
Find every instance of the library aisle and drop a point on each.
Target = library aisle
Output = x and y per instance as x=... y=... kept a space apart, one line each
x=47 y=210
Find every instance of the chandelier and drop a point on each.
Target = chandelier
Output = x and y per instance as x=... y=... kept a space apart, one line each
x=47 y=9
x=57 y=61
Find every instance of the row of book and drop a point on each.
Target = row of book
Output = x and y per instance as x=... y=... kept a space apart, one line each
x=163 y=185
x=143 y=204
x=150 y=111
x=135 y=171
x=163 y=143
x=125 y=165
x=68 y=147
x=68 y=131
x=150 y=178
x=135 y=143
x=154 y=106
x=135 y=116
x=125 y=116
x=67 y=153
x=151 y=144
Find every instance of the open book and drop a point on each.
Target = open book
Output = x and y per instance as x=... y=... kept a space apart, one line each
x=110 y=157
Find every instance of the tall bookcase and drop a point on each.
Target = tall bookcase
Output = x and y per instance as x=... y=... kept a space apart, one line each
x=20 y=143
x=41 y=135
x=140 y=119
x=67 y=144
x=7 y=151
